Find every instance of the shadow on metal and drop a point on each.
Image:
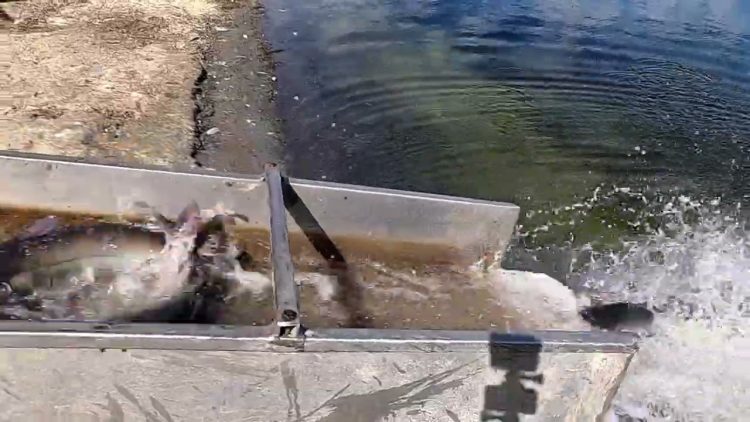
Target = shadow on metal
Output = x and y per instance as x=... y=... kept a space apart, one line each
x=350 y=292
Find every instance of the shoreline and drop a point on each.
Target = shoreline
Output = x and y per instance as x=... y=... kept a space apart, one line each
x=237 y=129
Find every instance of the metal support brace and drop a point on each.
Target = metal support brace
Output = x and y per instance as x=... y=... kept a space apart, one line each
x=286 y=295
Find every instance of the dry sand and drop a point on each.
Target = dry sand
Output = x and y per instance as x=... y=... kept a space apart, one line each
x=108 y=79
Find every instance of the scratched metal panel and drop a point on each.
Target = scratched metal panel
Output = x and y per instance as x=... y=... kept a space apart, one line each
x=58 y=184
x=152 y=385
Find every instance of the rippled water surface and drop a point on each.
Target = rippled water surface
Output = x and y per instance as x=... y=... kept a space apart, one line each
x=535 y=102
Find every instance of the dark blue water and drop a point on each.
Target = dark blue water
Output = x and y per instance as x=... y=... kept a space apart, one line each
x=534 y=102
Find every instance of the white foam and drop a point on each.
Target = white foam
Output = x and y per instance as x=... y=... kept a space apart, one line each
x=540 y=299
x=325 y=285
x=697 y=272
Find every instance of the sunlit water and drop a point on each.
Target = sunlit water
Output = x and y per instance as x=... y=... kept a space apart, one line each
x=621 y=129
x=532 y=102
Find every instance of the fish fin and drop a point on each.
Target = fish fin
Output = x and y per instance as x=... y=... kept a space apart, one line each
x=234 y=217
x=40 y=227
x=163 y=223
x=191 y=211
x=142 y=204
x=189 y=219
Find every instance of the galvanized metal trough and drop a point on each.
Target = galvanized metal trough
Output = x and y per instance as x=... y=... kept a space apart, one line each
x=288 y=371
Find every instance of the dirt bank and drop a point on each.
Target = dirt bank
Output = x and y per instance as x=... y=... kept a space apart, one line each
x=237 y=128
x=114 y=80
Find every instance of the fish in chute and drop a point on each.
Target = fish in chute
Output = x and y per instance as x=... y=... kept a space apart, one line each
x=165 y=271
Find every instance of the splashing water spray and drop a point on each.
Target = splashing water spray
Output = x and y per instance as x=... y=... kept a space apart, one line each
x=693 y=271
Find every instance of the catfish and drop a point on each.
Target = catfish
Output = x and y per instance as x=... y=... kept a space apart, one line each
x=112 y=272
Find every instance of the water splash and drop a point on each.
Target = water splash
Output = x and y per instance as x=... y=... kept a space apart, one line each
x=694 y=272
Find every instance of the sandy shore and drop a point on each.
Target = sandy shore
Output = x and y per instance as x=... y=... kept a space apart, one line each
x=112 y=80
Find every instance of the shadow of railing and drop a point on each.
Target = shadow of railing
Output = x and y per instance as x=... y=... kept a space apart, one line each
x=349 y=294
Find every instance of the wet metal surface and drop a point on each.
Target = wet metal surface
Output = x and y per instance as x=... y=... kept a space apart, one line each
x=380 y=285
x=329 y=375
x=473 y=227
x=414 y=246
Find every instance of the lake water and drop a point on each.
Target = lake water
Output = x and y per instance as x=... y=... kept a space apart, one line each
x=534 y=102
x=577 y=109
x=621 y=128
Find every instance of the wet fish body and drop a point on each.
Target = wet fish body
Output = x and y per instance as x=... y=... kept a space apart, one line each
x=70 y=245
x=76 y=272
x=110 y=271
